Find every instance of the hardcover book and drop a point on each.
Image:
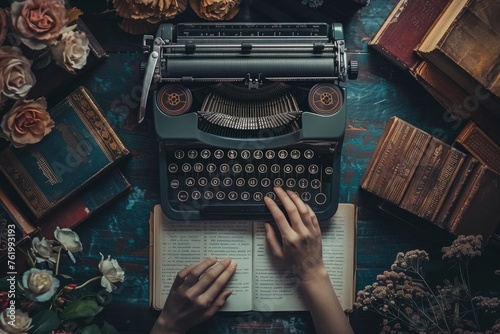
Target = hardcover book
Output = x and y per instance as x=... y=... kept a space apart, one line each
x=433 y=181
x=90 y=200
x=13 y=224
x=261 y=279
x=463 y=43
x=80 y=147
x=473 y=140
x=403 y=30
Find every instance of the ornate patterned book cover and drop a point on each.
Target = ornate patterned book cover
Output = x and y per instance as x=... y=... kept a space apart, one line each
x=81 y=146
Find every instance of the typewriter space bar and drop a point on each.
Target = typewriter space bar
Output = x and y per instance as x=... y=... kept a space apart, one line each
x=232 y=209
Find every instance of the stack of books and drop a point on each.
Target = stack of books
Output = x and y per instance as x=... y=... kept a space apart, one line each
x=67 y=176
x=451 y=48
x=433 y=181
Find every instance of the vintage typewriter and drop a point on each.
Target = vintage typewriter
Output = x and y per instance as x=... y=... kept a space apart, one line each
x=242 y=107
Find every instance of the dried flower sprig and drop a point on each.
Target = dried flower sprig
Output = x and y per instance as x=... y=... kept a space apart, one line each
x=407 y=302
x=47 y=301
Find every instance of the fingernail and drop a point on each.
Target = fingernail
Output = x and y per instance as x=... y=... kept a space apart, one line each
x=233 y=264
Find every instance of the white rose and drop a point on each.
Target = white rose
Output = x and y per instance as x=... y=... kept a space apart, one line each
x=44 y=248
x=40 y=285
x=112 y=273
x=69 y=240
x=16 y=77
x=71 y=51
x=14 y=322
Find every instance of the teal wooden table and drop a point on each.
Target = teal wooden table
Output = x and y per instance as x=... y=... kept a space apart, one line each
x=381 y=91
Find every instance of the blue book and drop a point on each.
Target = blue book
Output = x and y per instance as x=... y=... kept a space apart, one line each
x=80 y=148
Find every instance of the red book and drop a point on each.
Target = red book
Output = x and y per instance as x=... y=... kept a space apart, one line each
x=404 y=29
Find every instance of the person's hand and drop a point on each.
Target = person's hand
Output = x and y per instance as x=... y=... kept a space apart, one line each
x=195 y=296
x=301 y=247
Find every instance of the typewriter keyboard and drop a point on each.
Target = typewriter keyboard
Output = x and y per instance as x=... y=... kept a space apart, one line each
x=233 y=181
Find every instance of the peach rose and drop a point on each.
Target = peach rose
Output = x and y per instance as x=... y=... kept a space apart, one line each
x=215 y=9
x=153 y=11
x=71 y=51
x=3 y=25
x=16 y=77
x=38 y=22
x=27 y=122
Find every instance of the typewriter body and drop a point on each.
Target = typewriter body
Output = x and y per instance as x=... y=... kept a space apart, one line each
x=242 y=107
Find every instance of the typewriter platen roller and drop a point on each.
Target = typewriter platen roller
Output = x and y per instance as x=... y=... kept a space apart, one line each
x=242 y=107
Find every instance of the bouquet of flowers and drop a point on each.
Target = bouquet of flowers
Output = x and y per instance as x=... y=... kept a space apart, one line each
x=43 y=300
x=39 y=31
x=408 y=304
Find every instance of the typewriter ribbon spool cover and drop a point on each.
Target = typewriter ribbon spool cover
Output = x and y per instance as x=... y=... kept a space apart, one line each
x=240 y=108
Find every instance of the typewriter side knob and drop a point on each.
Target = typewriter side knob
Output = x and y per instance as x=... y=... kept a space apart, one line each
x=174 y=99
x=352 y=69
x=325 y=99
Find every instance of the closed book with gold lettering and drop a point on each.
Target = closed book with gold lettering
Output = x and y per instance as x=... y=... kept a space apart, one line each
x=80 y=147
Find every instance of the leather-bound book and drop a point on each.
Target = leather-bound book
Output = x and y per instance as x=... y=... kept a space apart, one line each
x=477 y=210
x=463 y=43
x=404 y=28
x=473 y=140
x=80 y=148
x=432 y=180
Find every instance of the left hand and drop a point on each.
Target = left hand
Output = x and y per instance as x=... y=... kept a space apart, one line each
x=195 y=296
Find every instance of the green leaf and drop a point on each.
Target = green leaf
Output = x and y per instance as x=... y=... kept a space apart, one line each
x=108 y=329
x=92 y=329
x=44 y=321
x=81 y=309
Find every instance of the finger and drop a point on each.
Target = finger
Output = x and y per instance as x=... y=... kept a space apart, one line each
x=303 y=209
x=279 y=217
x=218 y=284
x=314 y=220
x=210 y=276
x=273 y=242
x=219 y=301
x=194 y=274
x=291 y=210
x=181 y=276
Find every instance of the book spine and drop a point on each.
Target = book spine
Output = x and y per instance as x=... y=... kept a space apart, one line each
x=463 y=173
x=410 y=156
x=475 y=142
x=447 y=173
x=419 y=185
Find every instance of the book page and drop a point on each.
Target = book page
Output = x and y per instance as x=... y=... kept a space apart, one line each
x=276 y=287
x=178 y=244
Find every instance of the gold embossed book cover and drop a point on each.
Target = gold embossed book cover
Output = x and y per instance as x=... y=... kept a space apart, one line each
x=81 y=146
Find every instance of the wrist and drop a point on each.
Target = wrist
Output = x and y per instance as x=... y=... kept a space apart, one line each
x=165 y=325
x=314 y=276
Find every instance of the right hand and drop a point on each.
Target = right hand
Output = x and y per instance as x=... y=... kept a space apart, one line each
x=301 y=246
x=195 y=296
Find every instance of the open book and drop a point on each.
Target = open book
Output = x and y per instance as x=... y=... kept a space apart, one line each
x=261 y=282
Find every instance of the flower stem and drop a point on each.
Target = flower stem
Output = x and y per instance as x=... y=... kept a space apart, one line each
x=88 y=282
x=57 y=261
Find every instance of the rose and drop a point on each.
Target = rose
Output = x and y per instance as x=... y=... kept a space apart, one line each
x=112 y=273
x=44 y=248
x=40 y=285
x=19 y=324
x=38 y=22
x=149 y=10
x=69 y=240
x=16 y=77
x=3 y=25
x=27 y=122
x=71 y=51
x=215 y=9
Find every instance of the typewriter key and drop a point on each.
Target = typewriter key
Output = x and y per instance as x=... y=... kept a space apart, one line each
x=325 y=99
x=174 y=99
